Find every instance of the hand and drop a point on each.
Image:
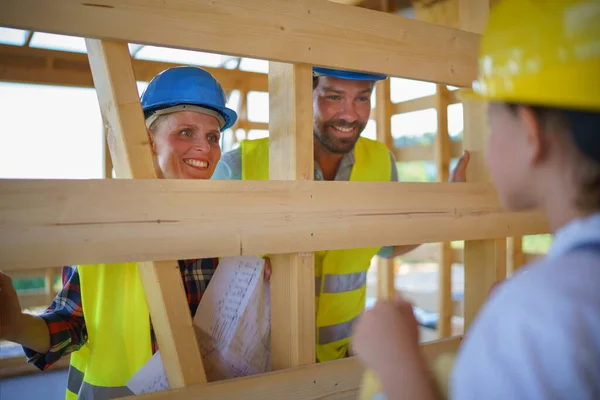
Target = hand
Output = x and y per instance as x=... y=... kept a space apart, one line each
x=267 y=270
x=387 y=336
x=459 y=173
x=10 y=309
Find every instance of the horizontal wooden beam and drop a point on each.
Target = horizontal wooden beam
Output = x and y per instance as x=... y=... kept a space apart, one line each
x=63 y=222
x=337 y=380
x=53 y=67
x=422 y=103
x=313 y=32
x=33 y=299
x=425 y=152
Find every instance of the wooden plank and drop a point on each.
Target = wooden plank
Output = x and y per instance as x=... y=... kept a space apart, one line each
x=111 y=67
x=425 y=152
x=64 y=68
x=385 y=267
x=291 y=158
x=312 y=32
x=62 y=222
x=515 y=257
x=422 y=103
x=334 y=380
x=485 y=260
x=443 y=150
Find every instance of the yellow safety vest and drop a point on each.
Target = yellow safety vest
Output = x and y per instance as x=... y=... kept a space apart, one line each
x=118 y=328
x=340 y=275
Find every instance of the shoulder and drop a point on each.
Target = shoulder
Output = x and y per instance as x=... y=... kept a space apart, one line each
x=530 y=340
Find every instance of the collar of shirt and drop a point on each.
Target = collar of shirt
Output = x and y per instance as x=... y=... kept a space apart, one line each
x=343 y=171
x=574 y=233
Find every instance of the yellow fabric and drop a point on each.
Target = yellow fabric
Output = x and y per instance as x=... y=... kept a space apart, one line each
x=117 y=322
x=541 y=53
x=372 y=163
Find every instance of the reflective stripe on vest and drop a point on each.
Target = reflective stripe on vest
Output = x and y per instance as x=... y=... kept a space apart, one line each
x=340 y=283
x=333 y=333
x=74 y=379
x=91 y=392
x=340 y=275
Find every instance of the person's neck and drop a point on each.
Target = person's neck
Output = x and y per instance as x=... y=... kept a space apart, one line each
x=328 y=162
x=557 y=201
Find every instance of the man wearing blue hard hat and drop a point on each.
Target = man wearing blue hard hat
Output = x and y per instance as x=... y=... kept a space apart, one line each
x=341 y=110
x=185 y=113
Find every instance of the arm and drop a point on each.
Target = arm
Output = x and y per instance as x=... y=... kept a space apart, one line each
x=395 y=251
x=458 y=174
x=16 y=326
x=59 y=331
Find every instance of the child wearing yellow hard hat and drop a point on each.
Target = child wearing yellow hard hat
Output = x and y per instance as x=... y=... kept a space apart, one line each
x=538 y=335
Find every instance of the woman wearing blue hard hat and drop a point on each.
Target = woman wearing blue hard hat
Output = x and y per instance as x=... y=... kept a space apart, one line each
x=185 y=113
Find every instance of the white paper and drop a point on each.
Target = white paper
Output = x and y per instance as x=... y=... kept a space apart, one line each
x=150 y=378
x=233 y=320
x=232 y=325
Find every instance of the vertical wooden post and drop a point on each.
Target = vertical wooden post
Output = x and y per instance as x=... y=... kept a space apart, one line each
x=50 y=273
x=442 y=160
x=485 y=260
x=108 y=165
x=515 y=257
x=383 y=115
x=291 y=158
x=130 y=149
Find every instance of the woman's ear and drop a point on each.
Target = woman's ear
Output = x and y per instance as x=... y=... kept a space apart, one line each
x=151 y=140
x=534 y=140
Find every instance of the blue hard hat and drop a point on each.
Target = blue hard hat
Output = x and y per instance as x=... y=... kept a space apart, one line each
x=187 y=85
x=342 y=74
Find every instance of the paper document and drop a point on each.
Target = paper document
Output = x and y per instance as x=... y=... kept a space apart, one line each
x=150 y=378
x=233 y=320
x=232 y=324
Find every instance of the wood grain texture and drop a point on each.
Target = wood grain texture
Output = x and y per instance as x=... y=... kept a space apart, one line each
x=313 y=32
x=59 y=222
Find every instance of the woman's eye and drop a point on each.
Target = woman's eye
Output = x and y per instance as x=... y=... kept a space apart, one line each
x=185 y=132
x=213 y=138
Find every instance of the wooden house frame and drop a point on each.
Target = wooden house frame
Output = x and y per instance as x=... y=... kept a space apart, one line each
x=57 y=222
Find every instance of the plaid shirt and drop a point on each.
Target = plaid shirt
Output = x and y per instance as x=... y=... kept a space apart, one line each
x=65 y=315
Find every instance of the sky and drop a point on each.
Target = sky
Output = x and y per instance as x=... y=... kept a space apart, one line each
x=56 y=132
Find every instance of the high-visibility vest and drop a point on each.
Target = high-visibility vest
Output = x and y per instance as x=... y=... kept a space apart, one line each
x=340 y=275
x=118 y=328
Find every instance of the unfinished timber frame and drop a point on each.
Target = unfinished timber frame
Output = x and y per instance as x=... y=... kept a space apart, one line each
x=139 y=218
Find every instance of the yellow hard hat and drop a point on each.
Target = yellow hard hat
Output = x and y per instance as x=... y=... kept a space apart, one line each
x=541 y=52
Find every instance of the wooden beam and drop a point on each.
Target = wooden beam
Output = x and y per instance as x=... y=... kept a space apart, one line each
x=443 y=149
x=485 y=260
x=331 y=380
x=63 y=68
x=425 y=152
x=385 y=267
x=515 y=257
x=291 y=158
x=423 y=103
x=307 y=31
x=114 y=79
x=62 y=222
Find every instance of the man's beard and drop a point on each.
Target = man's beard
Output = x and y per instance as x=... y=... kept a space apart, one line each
x=334 y=144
